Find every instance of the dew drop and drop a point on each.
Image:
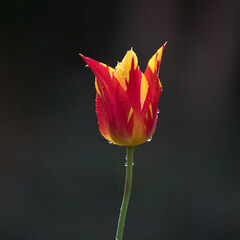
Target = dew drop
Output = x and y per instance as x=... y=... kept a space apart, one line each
x=149 y=139
x=158 y=111
x=110 y=142
x=127 y=164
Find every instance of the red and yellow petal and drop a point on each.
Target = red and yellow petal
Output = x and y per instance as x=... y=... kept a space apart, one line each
x=104 y=76
x=123 y=68
x=151 y=74
x=112 y=104
x=155 y=61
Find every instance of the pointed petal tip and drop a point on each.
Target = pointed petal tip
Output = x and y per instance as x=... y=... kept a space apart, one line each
x=131 y=51
x=87 y=59
x=83 y=57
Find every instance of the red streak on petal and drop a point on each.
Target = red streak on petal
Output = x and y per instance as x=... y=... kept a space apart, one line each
x=134 y=87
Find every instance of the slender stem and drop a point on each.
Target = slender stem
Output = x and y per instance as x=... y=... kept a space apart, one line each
x=127 y=193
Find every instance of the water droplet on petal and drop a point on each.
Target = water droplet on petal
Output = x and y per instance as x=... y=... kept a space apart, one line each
x=110 y=142
x=158 y=111
x=149 y=139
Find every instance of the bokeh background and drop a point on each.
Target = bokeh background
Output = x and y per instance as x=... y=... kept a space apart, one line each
x=59 y=179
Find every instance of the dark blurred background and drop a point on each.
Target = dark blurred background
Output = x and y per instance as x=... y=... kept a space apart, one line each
x=59 y=178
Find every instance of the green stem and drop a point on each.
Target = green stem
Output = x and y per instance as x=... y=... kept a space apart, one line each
x=127 y=193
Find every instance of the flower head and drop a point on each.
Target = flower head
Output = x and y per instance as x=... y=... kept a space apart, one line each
x=127 y=99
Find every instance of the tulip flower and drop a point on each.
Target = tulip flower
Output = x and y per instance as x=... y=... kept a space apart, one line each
x=127 y=99
x=127 y=108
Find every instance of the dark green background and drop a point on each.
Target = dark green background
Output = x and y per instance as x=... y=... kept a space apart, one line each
x=59 y=179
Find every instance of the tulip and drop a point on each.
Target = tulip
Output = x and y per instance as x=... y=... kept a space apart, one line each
x=127 y=99
x=127 y=108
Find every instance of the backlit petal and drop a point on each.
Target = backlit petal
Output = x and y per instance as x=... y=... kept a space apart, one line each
x=123 y=68
x=154 y=62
